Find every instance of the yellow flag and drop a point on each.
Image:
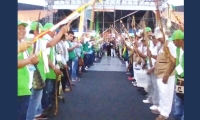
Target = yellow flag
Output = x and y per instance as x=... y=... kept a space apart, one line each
x=100 y=1
x=81 y=22
x=40 y=53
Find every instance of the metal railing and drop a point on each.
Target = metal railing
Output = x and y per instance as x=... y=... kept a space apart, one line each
x=110 y=2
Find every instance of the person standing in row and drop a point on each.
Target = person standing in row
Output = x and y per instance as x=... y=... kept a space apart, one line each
x=178 y=39
x=25 y=65
x=164 y=70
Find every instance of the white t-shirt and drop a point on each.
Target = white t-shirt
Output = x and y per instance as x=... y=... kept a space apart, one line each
x=48 y=49
x=63 y=46
x=181 y=54
x=143 y=49
x=154 y=51
x=172 y=49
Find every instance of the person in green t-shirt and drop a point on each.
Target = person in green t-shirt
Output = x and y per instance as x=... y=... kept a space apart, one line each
x=25 y=65
x=178 y=39
x=48 y=91
x=83 y=53
x=36 y=97
x=73 y=58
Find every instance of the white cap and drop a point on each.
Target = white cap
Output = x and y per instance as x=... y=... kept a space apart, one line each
x=157 y=33
x=140 y=30
x=138 y=34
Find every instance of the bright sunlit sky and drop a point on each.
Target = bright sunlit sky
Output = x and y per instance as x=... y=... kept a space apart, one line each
x=42 y=2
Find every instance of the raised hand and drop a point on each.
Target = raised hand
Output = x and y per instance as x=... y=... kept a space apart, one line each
x=24 y=46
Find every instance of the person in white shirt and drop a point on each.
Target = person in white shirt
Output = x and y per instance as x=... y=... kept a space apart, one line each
x=152 y=85
x=165 y=72
x=73 y=59
x=62 y=52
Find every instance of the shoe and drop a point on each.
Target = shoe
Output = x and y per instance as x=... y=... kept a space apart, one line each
x=74 y=80
x=154 y=107
x=41 y=117
x=144 y=92
x=140 y=88
x=67 y=90
x=129 y=78
x=78 y=79
x=155 y=112
x=134 y=84
x=37 y=115
x=160 y=117
x=80 y=73
x=145 y=101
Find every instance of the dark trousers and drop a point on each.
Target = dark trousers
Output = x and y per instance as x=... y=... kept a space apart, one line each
x=48 y=98
x=93 y=56
x=109 y=52
x=83 y=68
x=69 y=63
x=64 y=79
x=90 y=60
x=48 y=93
x=23 y=102
x=131 y=70
x=86 y=60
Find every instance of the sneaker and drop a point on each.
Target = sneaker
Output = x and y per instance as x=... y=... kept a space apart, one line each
x=74 y=80
x=140 y=88
x=146 y=101
x=41 y=117
x=154 y=107
x=130 y=78
x=78 y=79
x=155 y=112
x=37 y=115
x=66 y=90
x=144 y=92
x=134 y=84
x=160 y=117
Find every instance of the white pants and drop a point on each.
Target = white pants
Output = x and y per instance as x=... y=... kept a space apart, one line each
x=152 y=89
x=166 y=93
x=126 y=62
x=112 y=52
x=120 y=52
x=135 y=71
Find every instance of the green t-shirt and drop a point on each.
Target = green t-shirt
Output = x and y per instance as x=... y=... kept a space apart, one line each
x=40 y=66
x=82 y=55
x=178 y=61
x=23 y=78
x=72 y=54
x=51 y=74
x=85 y=47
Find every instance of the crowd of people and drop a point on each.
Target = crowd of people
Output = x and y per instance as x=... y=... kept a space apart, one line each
x=40 y=65
x=162 y=59
x=61 y=54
